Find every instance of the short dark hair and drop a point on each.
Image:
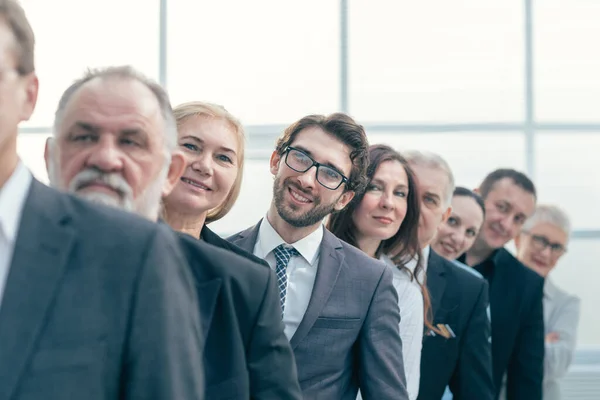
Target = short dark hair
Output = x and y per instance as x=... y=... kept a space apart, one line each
x=464 y=192
x=518 y=178
x=342 y=127
x=15 y=18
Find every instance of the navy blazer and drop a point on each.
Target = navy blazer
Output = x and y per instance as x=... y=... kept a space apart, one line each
x=459 y=299
x=516 y=294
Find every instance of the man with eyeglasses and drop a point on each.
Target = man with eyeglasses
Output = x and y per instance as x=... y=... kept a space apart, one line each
x=542 y=242
x=340 y=309
x=515 y=291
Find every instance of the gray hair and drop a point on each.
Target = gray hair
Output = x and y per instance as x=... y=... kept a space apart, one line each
x=124 y=72
x=435 y=161
x=549 y=214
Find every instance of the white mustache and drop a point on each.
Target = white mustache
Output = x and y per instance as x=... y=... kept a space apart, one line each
x=92 y=175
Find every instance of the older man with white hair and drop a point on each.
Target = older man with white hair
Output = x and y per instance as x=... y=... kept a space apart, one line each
x=542 y=242
x=458 y=352
x=115 y=143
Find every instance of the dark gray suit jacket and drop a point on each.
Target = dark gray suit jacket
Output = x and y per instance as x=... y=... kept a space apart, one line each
x=348 y=338
x=98 y=304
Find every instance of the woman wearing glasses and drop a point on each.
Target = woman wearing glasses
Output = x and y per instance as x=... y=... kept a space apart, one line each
x=383 y=222
x=541 y=243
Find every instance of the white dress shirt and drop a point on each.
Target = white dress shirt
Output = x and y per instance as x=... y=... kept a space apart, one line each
x=410 y=301
x=12 y=199
x=301 y=271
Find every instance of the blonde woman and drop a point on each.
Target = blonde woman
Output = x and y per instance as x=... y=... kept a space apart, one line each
x=246 y=352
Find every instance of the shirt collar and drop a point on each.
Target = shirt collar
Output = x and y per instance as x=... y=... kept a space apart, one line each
x=12 y=199
x=308 y=246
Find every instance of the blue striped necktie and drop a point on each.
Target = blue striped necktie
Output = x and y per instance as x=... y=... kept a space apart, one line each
x=283 y=253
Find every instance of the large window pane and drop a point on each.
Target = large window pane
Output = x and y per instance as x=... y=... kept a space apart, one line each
x=73 y=35
x=470 y=155
x=266 y=61
x=30 y=148
x=436 y=60
x=578 y=273
x=566 y=174
x=567 y=60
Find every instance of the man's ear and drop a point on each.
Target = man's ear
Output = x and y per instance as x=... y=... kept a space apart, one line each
x=344 y=199
x=274 y=162
x=476 y=190
x=176 y=169
x=32 y=85
x=48 y=152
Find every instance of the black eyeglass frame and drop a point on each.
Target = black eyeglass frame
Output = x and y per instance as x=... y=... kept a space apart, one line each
x=555 y=248
x=314 y=163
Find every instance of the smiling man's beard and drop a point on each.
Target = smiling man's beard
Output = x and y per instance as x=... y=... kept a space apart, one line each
x=288 y=212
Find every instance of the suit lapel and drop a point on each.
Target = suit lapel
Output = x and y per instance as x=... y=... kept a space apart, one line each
x=40 y=256
x=330 y=264
x=246 y=239
x=436 y=281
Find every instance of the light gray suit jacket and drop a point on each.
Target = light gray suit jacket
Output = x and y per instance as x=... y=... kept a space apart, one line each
x=98 y=305
x=561 y=315
x=348 y=338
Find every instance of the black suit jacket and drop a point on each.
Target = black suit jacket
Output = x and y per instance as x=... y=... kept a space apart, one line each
x=459 y=299
x=98 y=304
x=516 y=294
x=247 y=355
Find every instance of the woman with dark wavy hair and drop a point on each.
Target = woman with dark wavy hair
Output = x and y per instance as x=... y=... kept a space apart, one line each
x=383 y=221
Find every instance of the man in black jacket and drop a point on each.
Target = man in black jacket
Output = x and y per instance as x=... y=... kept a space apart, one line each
x=457 y=352
x=515 y=291
x=109 y=125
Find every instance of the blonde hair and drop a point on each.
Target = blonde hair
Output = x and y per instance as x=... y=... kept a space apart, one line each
x=198 y=108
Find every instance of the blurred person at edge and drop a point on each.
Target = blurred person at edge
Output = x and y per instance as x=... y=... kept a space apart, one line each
x=96 y=303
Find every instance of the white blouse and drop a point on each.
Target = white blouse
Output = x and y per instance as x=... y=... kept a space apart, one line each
x=410 y=300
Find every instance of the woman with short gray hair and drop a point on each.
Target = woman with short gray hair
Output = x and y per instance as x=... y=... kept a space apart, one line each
x=541 y=243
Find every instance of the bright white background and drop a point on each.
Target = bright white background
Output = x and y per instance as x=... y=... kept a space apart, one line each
x=273 y=61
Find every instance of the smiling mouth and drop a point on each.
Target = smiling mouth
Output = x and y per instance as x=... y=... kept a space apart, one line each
x=448 y=248
x=298 y=197
x=195 y=184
